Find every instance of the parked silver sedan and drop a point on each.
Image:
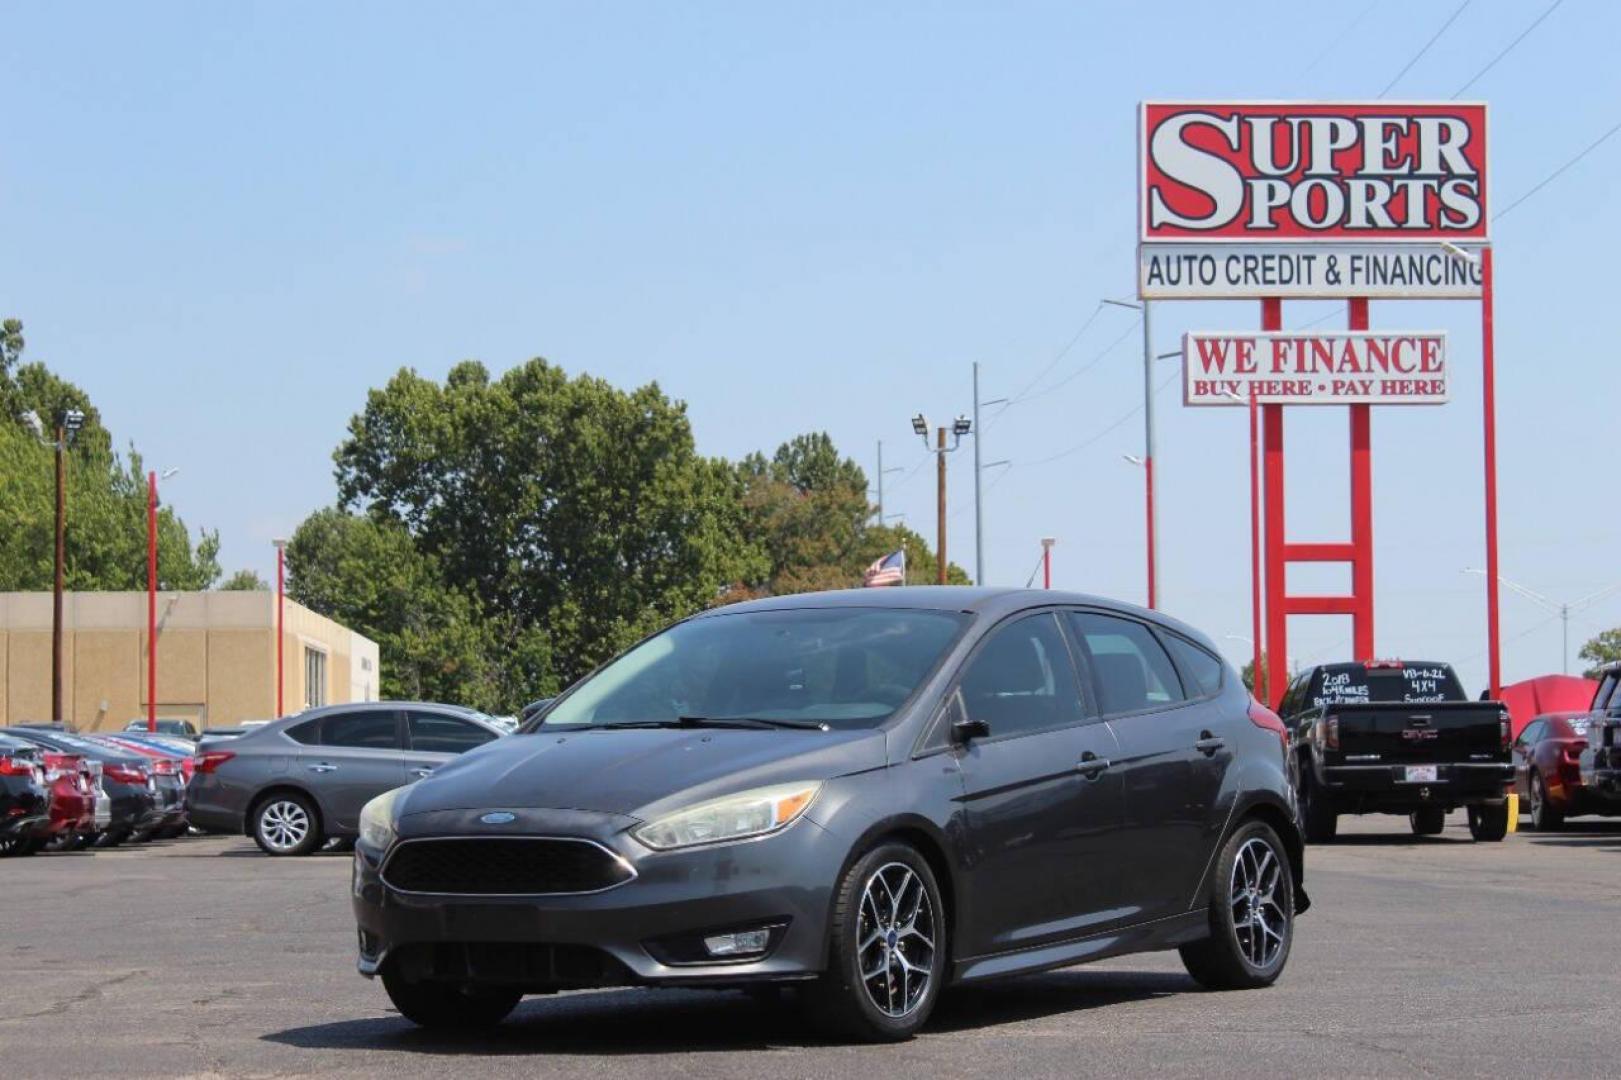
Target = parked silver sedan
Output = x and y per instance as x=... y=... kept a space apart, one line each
x=297 y=782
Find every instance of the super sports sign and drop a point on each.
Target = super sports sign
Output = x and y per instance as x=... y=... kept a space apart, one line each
x=1246 y=200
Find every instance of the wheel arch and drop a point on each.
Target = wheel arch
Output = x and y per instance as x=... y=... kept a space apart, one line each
x=930 y=842
x=1281 y=820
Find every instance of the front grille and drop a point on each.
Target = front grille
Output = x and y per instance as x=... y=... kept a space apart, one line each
x=516 y=963
x=503 y=866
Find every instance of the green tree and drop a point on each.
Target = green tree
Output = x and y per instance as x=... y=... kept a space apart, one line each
x=434 y=641
x=105 y=540
x=244 y=581
x=1601 y=650
x=577 y=516
x=1247 y=674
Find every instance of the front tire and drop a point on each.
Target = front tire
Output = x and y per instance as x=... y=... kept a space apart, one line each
x=286 y=823
x=1430 y=821
x=1252 y=914
x=1544 y=817
x=444 y=1005
x=1488 y=823
x=888 y=951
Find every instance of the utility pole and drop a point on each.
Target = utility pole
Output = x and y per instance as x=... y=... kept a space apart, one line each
x=979 y=519
x=882 y=472
x=281 y=617
x=961 y=426
x=1151 y=497
x=152 y=601
x=56 y=592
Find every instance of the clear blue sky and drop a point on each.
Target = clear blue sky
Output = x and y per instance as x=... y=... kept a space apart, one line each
x=227 y=222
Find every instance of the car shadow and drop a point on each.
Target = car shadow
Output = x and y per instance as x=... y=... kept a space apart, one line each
x=1394 y=839
x=1592 y=835
x=643 y=1021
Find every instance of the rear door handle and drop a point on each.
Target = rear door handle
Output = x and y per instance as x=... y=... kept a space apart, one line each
x=322 y=766
x=1208 y=744
x=1091 y=766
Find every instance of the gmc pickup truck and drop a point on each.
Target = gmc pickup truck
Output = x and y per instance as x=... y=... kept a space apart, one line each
x=1394 y=737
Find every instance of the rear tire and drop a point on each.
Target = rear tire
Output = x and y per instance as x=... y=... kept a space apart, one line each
x=1252 y=914
x=1544 y=817
x=887 y=930
x=444 y=1005
x=286 y=823
x=1429 y=821
x=1318 y=818
x=1488 y=823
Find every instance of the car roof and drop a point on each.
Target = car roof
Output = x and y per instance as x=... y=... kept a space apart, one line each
x=991 y=601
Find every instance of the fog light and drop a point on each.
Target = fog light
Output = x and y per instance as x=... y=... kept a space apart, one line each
x=738 y=944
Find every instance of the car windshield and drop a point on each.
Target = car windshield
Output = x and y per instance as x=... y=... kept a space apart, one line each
x=839 y=667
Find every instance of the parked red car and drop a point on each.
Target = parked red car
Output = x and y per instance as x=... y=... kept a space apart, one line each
x=1547 y=772
x=73 y=802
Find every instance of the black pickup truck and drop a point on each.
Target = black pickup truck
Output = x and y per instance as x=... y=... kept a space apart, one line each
x=1599 y=762
x=1393 y=737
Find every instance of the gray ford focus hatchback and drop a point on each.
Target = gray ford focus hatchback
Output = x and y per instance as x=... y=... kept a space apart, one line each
x=870 y=794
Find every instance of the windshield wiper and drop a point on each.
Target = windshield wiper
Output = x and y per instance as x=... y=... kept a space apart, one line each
x=740 y=722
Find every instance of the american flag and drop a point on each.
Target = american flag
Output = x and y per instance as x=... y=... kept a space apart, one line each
x=889 y=570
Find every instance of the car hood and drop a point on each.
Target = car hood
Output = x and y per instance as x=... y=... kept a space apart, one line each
x=637 y=773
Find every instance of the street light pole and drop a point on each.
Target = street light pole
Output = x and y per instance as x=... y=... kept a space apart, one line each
x=1047 y=543
x=281 y=632
x=57 y=587
x=979 y=520
x=961 y=426
x=1150 y=497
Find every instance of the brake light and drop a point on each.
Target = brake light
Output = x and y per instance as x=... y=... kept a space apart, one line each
x=1375 y=665
x=1328 y=732
x=11 y=766
x=163 y=767
x=124 y=774
x=1265 y=718
x=209 y=760
x=1504 y=728
x=1573 y=752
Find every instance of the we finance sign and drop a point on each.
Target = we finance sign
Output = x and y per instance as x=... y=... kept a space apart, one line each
x=1311 y=200
x=1353 y=368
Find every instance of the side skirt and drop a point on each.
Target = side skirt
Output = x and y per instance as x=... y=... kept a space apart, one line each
x=1160 y=934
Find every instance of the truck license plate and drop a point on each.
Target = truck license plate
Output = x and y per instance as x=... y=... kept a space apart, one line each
x=1421 y=774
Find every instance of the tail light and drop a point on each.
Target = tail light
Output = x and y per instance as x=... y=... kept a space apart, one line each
x=1265 y=718
x=209 y=760
x=124 y=774
x=1328 y=732
x=1505 y=727
x=1572 y=751
x=163 y=767
x=16 y=766
x=1386 y=665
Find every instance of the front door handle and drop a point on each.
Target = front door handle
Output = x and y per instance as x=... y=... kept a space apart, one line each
x=1208 y=744
x=421 y=770
x=322 y=767
x=1091 y=766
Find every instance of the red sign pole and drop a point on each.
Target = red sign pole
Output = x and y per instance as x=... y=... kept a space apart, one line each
x=151 y=601
x=1361 y=509
x=1255 y=544
x=1277 y=618
x=1488 y=395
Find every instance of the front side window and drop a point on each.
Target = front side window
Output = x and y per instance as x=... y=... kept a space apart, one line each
x=435 y=733
x=365 y=730
x=1021 y=680
x=843 y=667
x=1533 y=732
x=1130 y=670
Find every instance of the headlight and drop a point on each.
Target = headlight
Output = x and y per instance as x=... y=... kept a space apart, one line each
x=750 y=813
x=377 y=820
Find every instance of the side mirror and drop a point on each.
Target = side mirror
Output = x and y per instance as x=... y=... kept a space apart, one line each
x=967 y=728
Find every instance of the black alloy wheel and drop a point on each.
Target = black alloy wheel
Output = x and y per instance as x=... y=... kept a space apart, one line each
x=1544 y=816
x=888 y=953
x=1252 y=914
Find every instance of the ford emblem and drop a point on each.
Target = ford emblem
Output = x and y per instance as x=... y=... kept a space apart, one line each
x=499 y=817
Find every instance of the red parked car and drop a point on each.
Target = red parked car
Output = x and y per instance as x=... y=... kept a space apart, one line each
x=1547 y=772
x=73 y=802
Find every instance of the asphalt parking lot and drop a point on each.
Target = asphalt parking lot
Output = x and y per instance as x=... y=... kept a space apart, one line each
x=201 y=957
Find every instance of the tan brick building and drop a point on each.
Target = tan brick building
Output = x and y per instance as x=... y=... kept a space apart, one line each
x=216 y=658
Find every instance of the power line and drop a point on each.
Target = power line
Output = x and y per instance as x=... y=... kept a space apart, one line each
x=1097 y=437
x=1509 y=47
x=1085 y=326
x=1551 y=177
x=1083 y=369
x=1420 y=54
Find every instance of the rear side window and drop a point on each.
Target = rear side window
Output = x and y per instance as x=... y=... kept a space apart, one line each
x=435 y=733
x=1200 y=670
x=1535 y=730
x=1021 y=680
x=308 y=733
x=364 y=730
x=1130 y=669
x=1606 y=691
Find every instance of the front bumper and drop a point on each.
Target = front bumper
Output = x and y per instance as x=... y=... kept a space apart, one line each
x=1363 y=788
x=783 y=880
